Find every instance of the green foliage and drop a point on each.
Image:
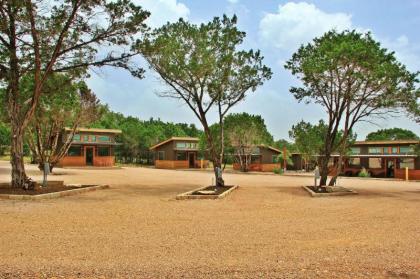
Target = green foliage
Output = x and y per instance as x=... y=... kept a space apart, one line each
x=392 y=134
x=205 y=67
x=4 y=137
x=278 y=171
x=363 y=173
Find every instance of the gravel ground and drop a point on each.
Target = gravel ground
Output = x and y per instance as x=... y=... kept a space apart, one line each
x=268 y=228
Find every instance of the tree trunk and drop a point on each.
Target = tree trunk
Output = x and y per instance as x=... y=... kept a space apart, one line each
x=16 y=158
x=323 y=170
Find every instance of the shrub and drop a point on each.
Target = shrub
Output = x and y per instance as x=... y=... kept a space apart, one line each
x=278 y=171
x=364 y=173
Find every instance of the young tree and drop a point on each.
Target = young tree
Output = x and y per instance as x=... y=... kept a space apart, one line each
x=204 y=68
x=309 y=139
x=39 y=37
x=63 y=103
x=354 y=79
x=392 y=134
x=244 y=132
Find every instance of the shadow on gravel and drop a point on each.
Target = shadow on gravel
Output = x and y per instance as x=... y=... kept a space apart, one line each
x=403 y=195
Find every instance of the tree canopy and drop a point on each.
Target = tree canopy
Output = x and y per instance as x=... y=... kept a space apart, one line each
x=204 y=67
x=354 y=79
x=392 y=134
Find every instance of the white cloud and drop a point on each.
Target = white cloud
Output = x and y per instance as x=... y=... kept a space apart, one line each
x=233 y=1
x=406 y=52
x=298 y=23
x=163 y=11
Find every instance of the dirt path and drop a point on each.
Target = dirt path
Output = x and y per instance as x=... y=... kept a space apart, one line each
x=269 y=228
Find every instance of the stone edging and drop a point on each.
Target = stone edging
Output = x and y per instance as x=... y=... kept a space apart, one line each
x=314 y=194
x=54 y=194
x=188 y=196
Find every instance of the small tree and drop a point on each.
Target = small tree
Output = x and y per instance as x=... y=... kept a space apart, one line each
x=354 y=79
x=244 y=133
x=204 y=68
x=63 y=103
x=39 y=37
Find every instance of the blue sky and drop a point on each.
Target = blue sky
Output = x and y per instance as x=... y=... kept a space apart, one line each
x=277 y=28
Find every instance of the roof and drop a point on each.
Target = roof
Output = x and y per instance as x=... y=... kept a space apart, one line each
x=382 y=142
x=172 y=139
x=95 y=130
x=270 y=147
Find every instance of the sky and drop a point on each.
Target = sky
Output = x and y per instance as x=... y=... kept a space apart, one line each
x=277 y=28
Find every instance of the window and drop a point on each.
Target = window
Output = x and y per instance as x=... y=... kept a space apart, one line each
x=181 y=145
x=407 y=162
x=274 y=158
x=355 y=150
x=375 y=163
x=394 y=150
x=74 y=151
x=76 y=137
x=375 y=150
x=161 y=155
x=104 y=151
x=405 y=150
x=85 y=138
x=386 y=150
x=354 y=162
x=181 y=156
x=93 y=138
x=104 y=138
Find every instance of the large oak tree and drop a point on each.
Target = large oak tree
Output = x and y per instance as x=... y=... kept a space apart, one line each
x=205 y=68
x=39 y=37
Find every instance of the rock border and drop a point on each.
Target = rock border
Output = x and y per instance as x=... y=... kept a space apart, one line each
x=54 y=194
x=317 y=195
x=188 y=195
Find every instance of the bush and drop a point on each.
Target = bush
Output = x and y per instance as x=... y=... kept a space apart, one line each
x=364 y=173
x=278 y=171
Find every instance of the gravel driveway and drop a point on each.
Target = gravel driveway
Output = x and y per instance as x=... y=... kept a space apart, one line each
x=268 y=228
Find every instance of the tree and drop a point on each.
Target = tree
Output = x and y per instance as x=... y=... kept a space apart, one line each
x=392 y=134
x=244 y=132
x=204 y=68
x=41 y=37
x=63 y=103
x=309 y=139
x=355 y=80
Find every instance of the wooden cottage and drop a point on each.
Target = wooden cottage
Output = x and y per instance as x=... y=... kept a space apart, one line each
x=384 y=159
x=178 y=153
x=263 y=158
x=90 y=147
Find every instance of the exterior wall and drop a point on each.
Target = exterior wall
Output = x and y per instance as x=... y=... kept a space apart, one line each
x=80 y=161
x=412 y=174
x=267 y=155
x=169 y=164
x=258 y=167
x=168 y=149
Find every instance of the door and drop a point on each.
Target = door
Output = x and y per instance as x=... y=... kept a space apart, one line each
x=390 y=168
x=191 y=159
x=89 y=156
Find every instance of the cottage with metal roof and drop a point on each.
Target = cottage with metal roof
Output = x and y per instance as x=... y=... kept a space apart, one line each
x=178 y=153
x=90 y=147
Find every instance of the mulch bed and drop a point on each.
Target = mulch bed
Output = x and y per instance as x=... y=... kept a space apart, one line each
x=217 y=190
x=6 y=190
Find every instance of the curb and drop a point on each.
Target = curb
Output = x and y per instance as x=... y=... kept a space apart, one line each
x=53 y=195
x=318 y=195
x=188 y=195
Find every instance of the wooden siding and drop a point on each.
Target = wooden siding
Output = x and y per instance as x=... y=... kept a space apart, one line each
x=258 y=167
x=412 y=174
x=169 y=164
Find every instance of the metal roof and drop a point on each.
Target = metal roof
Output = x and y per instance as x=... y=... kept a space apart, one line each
x=95 y=130
x=172 y=139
